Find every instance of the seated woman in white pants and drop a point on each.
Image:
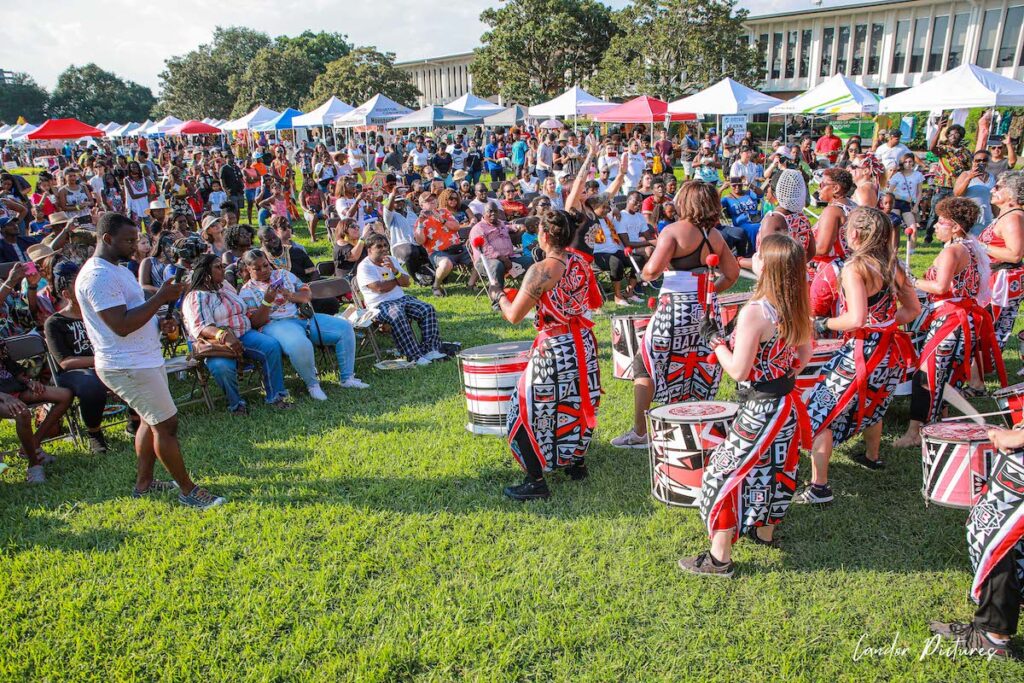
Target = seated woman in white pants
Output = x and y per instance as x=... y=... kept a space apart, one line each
x=284 y=293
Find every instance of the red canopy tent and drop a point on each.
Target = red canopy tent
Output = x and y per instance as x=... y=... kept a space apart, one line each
x=641 y=109
x=65 y=129
x=193 y=127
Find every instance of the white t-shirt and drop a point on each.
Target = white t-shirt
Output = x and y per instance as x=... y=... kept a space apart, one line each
x=355 y=157
x=420 y=158
x=905 y=186
x=748 y=171
x=890 y=156
x=528 y=186
x=96 y=183
x=102 y=285
x=608 y=245
x=400 y=226
x=477 y=206
x=631 y=224
x=636 y=163
x=368 y=272
x=611 y=163
x=343 y=204
x=458 y=158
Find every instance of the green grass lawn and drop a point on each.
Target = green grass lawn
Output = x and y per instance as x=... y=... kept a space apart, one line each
x=367 y=539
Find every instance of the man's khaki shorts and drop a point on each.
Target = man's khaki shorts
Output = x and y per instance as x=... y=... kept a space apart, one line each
x=145 y=391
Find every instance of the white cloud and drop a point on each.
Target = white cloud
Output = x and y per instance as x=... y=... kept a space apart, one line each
x=133 y=37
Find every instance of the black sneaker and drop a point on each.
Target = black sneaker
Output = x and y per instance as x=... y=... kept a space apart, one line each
x=752 y=535
x=705 y=565
x=814 y=495
x=577 y=471
x=863 y=460
x=97 y=442
x=971 y=640
x=529 y=490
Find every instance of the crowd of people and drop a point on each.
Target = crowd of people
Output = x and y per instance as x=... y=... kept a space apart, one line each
x=117 y=250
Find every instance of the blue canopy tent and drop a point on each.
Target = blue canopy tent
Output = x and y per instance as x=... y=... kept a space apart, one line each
x=282 y=121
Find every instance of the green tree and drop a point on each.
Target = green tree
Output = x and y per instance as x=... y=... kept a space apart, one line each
x=360 y=75
x=205 y=81
x=320 y=48
x=278 y=77
x=537 y=48
x=22 y=96
x=670 y=48
x=94 y=95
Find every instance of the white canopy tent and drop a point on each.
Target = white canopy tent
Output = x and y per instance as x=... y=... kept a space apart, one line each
x=965 y=87
x=19 y=132
x=323 y=115
x=376 y=111
x=574 y=102
x=837 y=95
x=507 y=117
x=725 y=97
x=4 y=130
x=161 y=126
x=435 y=117
x=125 y=130
x=474 y=106
x=260 y=114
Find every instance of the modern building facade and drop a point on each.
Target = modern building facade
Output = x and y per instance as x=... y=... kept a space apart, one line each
x=440 y=79
x=887 y=46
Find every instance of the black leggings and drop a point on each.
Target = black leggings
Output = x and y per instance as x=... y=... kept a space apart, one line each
x=920 y=397
x=999 y=607
x=90 y=391
x=412 y=255
x=613 y=264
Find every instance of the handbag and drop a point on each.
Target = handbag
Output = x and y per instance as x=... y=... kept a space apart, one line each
x=204 y=348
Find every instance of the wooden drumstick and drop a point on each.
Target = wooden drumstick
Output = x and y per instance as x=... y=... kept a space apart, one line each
x=712 y=264
x=478 y=244
x=636 y=268
x=956 y=418
x=909 y=232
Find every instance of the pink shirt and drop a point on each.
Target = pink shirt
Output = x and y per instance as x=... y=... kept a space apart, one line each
x=497 y=243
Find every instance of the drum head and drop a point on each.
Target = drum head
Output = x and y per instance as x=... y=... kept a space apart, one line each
x=632 y=317
x=732 y=299
x=695 y=411
x=509 y=349
x=819 y=346
x=956 y=432
x=1012 y=390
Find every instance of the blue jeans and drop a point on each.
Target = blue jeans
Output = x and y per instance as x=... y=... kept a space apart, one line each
x=298 y=336
x=264 y=350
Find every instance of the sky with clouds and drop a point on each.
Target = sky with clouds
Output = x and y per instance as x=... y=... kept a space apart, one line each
x=133 y=37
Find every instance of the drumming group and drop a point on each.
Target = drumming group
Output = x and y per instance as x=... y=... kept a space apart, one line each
x=836 y=326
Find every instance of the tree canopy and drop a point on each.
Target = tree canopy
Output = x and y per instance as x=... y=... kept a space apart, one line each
x=535 y=49
x=670 y=48
x=360 y=75
x=92 y=94
x=22 y=96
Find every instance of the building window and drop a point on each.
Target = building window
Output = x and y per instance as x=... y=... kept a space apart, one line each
x=791 y=54
x=875 y=48
x=957 y=41
x=1011 y=35
x=860 y=34
x=776 y=55
x=762 y=47
x=805 y=54
x=842 y=49
x=987 y=41
x=918 y=44
x=938 y=43
x=899 y=48
x=827 y=38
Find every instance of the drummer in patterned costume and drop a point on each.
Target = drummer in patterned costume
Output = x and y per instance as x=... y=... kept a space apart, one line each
x=995 y=542
x=958 y=326
x=1004 y=241
x=553 y=409
x=861 y=377
x=830 y=242
x=672 y=365
x=750 y=478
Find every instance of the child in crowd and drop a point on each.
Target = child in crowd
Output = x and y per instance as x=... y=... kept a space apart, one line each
x=217 y=197
x=40 y=225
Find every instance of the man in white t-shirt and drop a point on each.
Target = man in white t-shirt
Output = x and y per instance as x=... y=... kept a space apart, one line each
x=381 y=277
x=400 y=220
x=891 y=151
x=122 y=326
x=478 y=205
x=636 y=162
x=546 y=157
x=746 y=168
x=609 y=160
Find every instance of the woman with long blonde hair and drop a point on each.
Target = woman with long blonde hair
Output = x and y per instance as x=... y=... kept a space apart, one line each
x=876 y=299
x=749 y=481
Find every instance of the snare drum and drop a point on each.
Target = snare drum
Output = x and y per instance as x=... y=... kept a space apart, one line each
x=681 y=439
x=489 y=374
x=1011 y=400
x=627 y=331
x=730 y=304
x=822 y=351
x=956 y=459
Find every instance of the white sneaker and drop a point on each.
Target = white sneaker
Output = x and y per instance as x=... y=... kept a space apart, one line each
x=354 y=382
x=630 y=440
x=316 y=393
x=434 y=355
x=423 y=360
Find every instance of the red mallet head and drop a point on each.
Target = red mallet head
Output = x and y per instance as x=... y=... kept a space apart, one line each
x=629 y=251
x=712 y=260
x=909 y=232
x=478 y=241
x=652 y=303
x=712 y=358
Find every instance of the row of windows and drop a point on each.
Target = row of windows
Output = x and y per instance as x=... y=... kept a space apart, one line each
x=915 y=50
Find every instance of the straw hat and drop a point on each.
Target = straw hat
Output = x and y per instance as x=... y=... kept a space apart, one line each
x=459 y=175
x=59 y=218
x=209 y=222
x=39 y=252
x=157 y=204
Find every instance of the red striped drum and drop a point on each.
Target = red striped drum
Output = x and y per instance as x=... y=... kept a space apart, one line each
x=489 y=374
x=822 y=351
x=956 y=459
x=627 y=331
x=729 y=305
x=1011 y=401
x=681 y=438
